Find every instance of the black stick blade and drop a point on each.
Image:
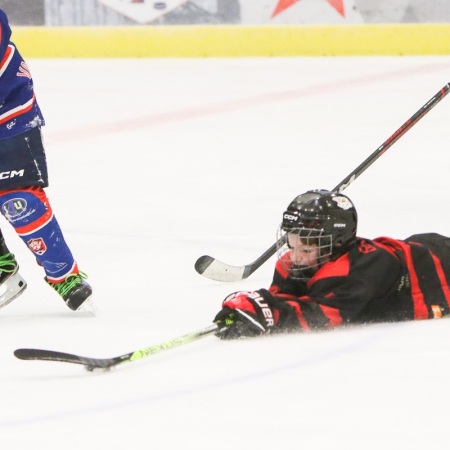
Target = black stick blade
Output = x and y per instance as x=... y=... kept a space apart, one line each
x=51 y=355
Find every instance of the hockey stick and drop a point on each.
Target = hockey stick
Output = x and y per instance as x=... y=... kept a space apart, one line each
x=106 y=363
x=219 y=271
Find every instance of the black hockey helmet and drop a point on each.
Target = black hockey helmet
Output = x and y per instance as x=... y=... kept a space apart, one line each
x=321 y=218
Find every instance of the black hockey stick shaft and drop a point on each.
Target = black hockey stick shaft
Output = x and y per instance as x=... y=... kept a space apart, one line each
x=216 y=270
x=426 y=108
x=106 y=363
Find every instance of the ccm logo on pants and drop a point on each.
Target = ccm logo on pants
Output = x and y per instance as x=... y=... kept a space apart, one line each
x=11 y=174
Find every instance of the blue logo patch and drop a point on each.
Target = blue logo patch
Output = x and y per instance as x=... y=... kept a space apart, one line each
x=14 y=207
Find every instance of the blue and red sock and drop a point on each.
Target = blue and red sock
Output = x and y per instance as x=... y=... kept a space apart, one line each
x=29 y=212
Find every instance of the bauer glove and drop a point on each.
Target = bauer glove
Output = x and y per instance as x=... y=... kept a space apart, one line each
x=244 y=314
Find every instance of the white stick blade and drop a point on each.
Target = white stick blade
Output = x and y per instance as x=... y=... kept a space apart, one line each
x=216 y=270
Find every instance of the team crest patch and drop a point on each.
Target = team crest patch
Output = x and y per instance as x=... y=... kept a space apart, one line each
x=37 y=246
x=14 y=207
x=343 y=202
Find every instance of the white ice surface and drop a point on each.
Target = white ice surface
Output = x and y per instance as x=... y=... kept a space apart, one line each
x=154 y=163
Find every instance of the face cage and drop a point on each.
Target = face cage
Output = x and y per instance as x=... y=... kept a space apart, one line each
x=308 y=236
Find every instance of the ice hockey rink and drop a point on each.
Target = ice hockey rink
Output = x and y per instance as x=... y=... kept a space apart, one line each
x=155 y=162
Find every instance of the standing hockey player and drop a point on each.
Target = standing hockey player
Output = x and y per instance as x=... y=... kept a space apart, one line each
x=23 y=175
x=326 y=276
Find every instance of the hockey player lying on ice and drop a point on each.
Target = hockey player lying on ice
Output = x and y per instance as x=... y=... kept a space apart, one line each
x=326 y=276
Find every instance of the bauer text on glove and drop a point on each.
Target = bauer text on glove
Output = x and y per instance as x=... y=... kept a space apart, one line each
x=245 y=314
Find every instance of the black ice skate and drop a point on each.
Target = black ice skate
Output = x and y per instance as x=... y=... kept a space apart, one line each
x=11 y=283
x=74 y=290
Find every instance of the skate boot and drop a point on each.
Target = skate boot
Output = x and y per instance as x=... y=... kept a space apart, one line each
x=11 y=283
x=74 y=289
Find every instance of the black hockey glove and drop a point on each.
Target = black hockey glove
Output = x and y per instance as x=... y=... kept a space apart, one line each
x=244 y=314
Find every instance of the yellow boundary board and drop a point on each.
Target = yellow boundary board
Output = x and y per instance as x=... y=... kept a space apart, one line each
x=232 y=41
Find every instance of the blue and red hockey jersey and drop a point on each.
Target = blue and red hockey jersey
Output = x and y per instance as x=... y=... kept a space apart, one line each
x=19 y=111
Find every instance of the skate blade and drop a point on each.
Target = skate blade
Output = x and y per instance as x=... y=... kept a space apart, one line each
x=87 y=308
x=11 y=289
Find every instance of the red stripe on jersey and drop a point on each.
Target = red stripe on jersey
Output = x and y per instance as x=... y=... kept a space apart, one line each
x=332 y=314
x=384 y=242
x=4 y=63
x=21 y=109
x=338 y=268
x=280 y=266
x=420 y=308
x=298 y=312
x=442 y=277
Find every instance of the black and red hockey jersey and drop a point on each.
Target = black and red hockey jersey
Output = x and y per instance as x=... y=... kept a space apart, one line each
x=377 y=280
